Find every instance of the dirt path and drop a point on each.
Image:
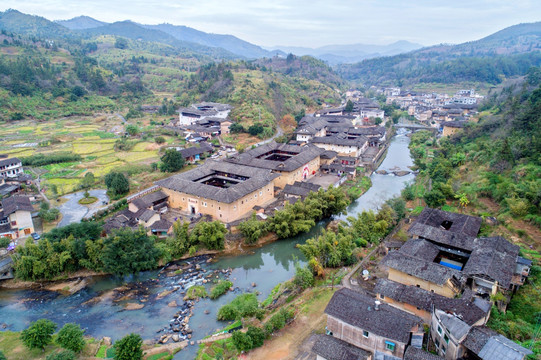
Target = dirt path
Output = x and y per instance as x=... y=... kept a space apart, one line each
x=287 y=343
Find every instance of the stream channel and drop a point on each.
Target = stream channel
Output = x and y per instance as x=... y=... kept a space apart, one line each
x=102 y=314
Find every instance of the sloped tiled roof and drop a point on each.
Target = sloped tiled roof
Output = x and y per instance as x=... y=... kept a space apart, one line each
x=16 y=203
x=331 y=348
x=359 y=311
x=187 y=182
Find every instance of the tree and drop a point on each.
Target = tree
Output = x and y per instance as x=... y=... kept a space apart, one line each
x=242 y=341
x=180 y=242
x=117 y=184
x=257 y=335
x=128 y=251
x=129 y=348
x=209 y=234
x=4 y=242
x=349 y=106
x=434 y=198
x=252 y=229
x=132 y=130
x=63 y=355
x=255 y=129
x=121 y=43
x=88 y=180
x=236 y=128
x=159 y=139
x=172 y=161
x=71 y=337
x=303 y=277
x=2 y=356
x=378 y=121
x=39 y=334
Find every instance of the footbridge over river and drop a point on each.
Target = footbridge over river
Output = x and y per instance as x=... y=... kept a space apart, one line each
x=6 y=267
x=415 y=127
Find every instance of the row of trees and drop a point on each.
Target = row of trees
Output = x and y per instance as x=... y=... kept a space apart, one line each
x=71 y=338
x=124 y=251
x=297 y=218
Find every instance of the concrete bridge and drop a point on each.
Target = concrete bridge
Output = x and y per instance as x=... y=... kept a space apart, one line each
x=415 y=127
x=6 y=267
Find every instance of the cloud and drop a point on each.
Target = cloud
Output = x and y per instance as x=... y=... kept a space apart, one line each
x=307 y=23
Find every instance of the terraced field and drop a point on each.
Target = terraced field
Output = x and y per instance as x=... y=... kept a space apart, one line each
x=90 y=137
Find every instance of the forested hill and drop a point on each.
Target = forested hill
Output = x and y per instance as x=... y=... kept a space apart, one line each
x=37 y=27
x=509 y=52
x=499 y=156
x=47 y=79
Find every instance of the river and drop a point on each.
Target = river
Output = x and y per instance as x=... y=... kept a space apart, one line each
x=266 y=267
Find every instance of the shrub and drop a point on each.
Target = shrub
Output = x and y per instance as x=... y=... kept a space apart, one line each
x=244 y=305
x=221 y=288
x=159 y=140
x=71 y=337
x=39 y=334
x=196 y=292
x=4 y=242
x=257 y=335
x=129 y=348
x=242 y=341
x=303 y=277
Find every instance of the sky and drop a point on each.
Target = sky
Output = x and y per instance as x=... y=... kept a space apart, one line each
x=307 y=23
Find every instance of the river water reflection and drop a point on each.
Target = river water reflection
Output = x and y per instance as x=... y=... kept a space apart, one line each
x=266 y=267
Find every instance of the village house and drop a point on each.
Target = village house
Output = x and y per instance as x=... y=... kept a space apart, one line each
x=196 y=153
x=331 y=348
x=299 y=189
x=202 y=111
x=419 y=354
x=445 y=256
x=377 y=328
x=222 y=190
x=422 y=303
x=455 y=339
x=486 y=344
x=10 y=167
x=16 y=217
x=342 y=145
x=144 y=211
x=291 y=163
x=452 y=127
x=310 y=126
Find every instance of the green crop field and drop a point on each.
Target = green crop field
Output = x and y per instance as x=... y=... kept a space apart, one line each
x=92 y=139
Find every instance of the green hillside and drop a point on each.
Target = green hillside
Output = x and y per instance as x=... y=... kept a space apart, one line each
x=509 y=52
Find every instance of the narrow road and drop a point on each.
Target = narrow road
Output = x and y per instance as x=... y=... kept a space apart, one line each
x=279 y=132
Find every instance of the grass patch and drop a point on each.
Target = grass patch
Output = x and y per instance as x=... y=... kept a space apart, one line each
x=417 y=210
x=102 y=352
x=196 y=292
x=160 y=356
x=219 y=289
x=88 y=200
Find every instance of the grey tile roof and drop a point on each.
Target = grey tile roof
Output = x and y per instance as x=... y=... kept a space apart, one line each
x=336 y=140
x=9 y=161
x=161 y=225
x=460 y=223
x=423 y=269
x=328 y=154
x=489 y=345
x=301 y=155
x=194 y=150
x=456 y=327
x=494 y=257
x=146 y=215
x=332 y=348
x=16 y=203
x=419 y=354
x=214 y=105
x=468 y=311
x=359 y=311
x=300 y=188
x=187 y=182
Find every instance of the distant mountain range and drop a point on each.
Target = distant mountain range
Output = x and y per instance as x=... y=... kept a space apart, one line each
x=508 y=52
x=346 y=54
x=333 y=54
